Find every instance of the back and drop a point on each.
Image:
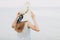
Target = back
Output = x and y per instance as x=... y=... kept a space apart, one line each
x=25 y=34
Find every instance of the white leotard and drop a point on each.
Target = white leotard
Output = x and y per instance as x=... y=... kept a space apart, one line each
x=25 y=34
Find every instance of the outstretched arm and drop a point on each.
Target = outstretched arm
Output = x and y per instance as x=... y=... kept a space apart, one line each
x=14 y=23
x=35 y=26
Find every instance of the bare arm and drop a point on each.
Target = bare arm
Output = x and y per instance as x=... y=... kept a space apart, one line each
x=14 y=22
x=35 y=26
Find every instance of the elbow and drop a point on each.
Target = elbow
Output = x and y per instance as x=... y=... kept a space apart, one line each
x=12 y=26
x=37 y=29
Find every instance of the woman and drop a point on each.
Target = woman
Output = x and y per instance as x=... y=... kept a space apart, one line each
x=25 y=25
x=23 y=28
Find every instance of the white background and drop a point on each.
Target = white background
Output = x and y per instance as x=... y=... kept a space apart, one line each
x=47 y=15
